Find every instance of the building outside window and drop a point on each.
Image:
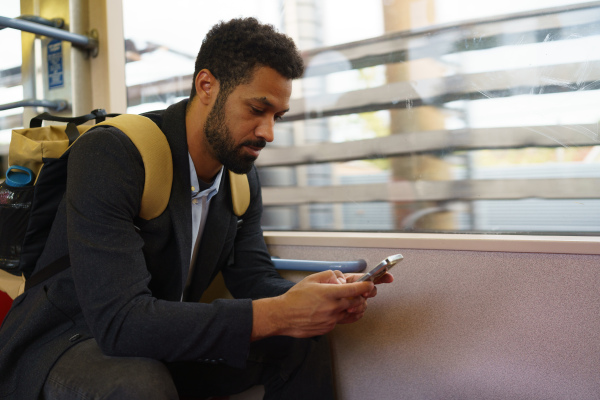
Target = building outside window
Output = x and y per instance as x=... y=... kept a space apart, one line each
x=11 y=89
x=448 y=116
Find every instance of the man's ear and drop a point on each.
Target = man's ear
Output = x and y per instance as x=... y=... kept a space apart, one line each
x=207 y=86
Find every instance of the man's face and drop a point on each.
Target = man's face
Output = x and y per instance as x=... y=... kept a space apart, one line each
x=240 y=124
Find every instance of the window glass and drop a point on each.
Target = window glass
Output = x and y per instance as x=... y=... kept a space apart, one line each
x=413 y=115
x=11 y=89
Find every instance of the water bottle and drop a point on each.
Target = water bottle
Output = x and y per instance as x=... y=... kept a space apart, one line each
x=16 y=195
x=18 y=176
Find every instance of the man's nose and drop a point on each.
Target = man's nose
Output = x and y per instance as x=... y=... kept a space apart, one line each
x=265 y=130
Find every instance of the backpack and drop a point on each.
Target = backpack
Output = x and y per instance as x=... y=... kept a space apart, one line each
x=36 y=181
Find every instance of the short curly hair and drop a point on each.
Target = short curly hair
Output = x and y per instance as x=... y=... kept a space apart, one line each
x=232 y=50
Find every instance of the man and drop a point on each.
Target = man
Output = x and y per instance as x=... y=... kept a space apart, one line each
x=114 y=324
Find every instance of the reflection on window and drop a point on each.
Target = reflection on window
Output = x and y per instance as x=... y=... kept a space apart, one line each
x=11 y=89
x=408 y=119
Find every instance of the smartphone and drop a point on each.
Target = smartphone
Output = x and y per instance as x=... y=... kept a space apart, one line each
x=381 y=268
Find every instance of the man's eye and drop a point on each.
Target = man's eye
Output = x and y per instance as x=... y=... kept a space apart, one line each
x=278 y=118
x=256 y=110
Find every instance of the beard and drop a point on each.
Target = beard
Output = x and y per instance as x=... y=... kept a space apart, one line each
x=222 y=144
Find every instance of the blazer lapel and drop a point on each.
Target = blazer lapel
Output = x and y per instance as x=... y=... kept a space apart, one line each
x=220 y=224
x=180 y=208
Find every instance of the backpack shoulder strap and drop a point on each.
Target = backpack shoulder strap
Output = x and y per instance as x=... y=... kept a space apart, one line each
x=240 y=193
x=158 y=164
x=156 y=155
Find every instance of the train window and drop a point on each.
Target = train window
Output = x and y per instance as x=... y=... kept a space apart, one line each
x=413 y=115
x=11 y=89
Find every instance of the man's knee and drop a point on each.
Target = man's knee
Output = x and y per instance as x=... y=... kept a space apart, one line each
x=84 y=372
x=148 y=380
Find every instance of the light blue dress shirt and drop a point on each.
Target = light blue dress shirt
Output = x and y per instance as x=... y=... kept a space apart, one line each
x=200 y=205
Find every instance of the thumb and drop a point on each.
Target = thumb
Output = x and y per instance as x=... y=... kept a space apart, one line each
x=327 y=276
x=352 y=289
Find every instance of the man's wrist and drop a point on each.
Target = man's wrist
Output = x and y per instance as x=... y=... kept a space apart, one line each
x=264 y=318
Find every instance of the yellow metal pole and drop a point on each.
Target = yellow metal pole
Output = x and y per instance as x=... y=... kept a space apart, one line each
x=402 y=15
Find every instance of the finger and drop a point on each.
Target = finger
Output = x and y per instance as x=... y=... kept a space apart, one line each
x=351 y=289
x=371 y=294
x=351 y=277
x=353 y=303
x=358 y=309
x=328 y=276
x=351 y=318
x=386 y=278
x=340 y=276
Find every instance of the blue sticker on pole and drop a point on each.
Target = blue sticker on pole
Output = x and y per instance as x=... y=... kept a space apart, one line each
x=56 y=77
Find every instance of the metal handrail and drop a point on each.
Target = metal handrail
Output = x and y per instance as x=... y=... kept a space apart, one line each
x=435 y=29
x=80 y=41
x=395 y=47
x=54 y=105
x=317 y=266
x=54 y=22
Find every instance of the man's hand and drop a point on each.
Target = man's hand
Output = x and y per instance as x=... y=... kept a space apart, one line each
x=312 y=307
x=386 y=278
x=356 y=313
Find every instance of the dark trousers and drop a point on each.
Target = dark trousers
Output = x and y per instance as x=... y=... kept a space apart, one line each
x=288 y=368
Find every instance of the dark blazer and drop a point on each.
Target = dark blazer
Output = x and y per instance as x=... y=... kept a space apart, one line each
x=125 y=283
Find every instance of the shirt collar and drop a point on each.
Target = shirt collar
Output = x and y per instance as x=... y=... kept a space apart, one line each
x=195 y=186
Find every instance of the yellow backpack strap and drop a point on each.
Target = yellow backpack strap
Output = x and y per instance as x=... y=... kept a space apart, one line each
x=156 y=155
x=240 y=193
x=11 y=284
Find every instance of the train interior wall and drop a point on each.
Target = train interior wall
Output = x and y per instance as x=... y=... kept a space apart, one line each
x=469 y=325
